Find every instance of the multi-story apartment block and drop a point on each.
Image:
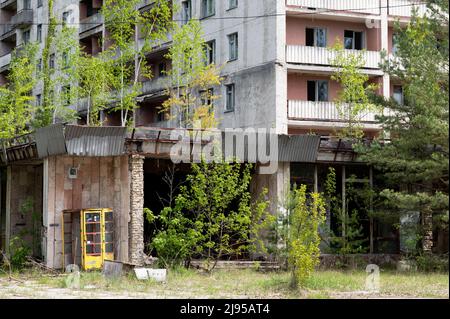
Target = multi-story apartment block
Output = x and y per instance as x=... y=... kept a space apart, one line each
x=276 y=70
x=276 y=54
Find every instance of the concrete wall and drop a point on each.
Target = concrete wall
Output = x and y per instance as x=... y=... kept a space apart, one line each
x=102 y=182
x=24 y=205
x=259 y=85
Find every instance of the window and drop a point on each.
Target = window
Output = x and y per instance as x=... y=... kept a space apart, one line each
x=52 y=61
x=39 y=65
x=38 y=100
x=186 y=11
x=39 y=3
x=27 y=4
x=65 y=60
x=316 y=37
x=208 y=8
x=398 y=94
x=26 y=36
x=66 y=94
x=232 y=4
x=230 y=97
x=394 y=43
x=233 y=46
x=210 y=52
x=162 y=69
x=39 y=33
x=65 y=17
x=317 y=91
x=353 y=40
x=162 y=116
x=206 y=97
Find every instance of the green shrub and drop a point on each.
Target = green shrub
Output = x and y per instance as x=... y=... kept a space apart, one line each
x=432 y=263
x=19 y=252
x=304 y=239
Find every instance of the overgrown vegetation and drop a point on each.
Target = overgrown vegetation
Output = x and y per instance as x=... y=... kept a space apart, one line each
x=414 y=163
x=307 y=215
x=213 y=217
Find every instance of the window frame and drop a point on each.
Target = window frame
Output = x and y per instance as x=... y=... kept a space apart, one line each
x=315 y=30
x=210 y=100
x=363 y=40
x=233 y=55
x=210 y=50
x=205 y=5
x=52 y=61
x=184 y=17
x=26 y=39
x=402 y=102
x=39 y=33
x=316 y=90
x=233 y=4
x=231 y=86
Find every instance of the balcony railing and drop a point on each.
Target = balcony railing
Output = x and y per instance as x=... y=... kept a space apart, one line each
x=322 y=111
x=23 y=18
x=7 y=30
x=404 y=8
x=345 y=6
x=7 y=3
x=154 y=85
x=324 y=56
x=91 y=22
x=5 y=61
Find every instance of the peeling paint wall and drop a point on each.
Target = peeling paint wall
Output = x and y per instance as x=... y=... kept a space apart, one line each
x=101 y=182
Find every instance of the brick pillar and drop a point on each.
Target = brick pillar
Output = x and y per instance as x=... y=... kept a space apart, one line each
x=136 y=225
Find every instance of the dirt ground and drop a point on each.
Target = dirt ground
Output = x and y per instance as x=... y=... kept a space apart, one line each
x=226 y=285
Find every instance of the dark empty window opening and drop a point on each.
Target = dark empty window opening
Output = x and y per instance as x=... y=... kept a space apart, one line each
x=317 y=91
x=353 y=40
x=316 y=37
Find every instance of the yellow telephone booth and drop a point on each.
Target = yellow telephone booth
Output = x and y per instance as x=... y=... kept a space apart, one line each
x=91 y=241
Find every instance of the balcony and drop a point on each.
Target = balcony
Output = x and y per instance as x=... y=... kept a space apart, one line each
x=23 y=18
x=155 y=87
x=322 y=56
x=90 y=23
x=7 y=31
x=8 y=4
x=404 y=8
x=4 y=62
x=365 y=7
x=323 y=115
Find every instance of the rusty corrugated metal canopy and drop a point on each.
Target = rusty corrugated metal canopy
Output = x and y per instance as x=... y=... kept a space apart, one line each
x=50 y=140
x=298 y=148
x=79 y=140
x=95 y=141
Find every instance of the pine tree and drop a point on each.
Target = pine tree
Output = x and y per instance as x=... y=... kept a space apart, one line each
x=414 y=163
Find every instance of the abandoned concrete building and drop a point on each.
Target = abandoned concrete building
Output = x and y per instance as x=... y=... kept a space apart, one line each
x=277 y=75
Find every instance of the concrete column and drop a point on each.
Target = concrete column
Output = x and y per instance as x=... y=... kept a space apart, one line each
x=278 y=186
x=8 y=209
x=136 y=225
x=385 y=44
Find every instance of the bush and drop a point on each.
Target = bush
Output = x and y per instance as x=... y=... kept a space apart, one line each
x=19 y=253
x=304 y=239
x=432 y=263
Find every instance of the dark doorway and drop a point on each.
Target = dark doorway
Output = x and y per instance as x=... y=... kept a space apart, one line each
x=158 y=175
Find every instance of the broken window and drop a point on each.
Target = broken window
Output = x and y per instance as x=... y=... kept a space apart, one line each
x=317 y=91
x=398 y=95
x=316 y=37
x=353 y=40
